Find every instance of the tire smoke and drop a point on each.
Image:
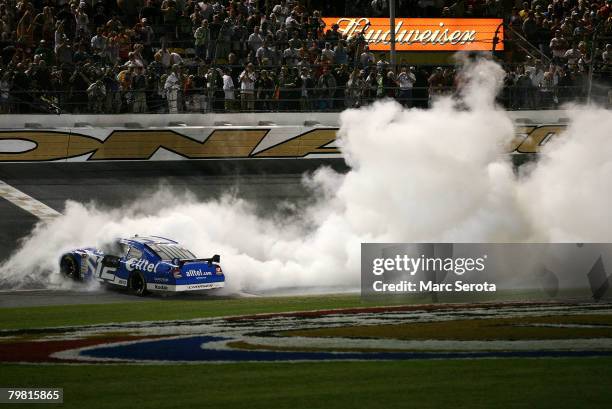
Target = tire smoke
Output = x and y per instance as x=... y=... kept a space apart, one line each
x=437 y=175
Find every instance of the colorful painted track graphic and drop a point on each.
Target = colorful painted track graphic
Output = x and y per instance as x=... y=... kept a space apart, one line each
x=450 y=331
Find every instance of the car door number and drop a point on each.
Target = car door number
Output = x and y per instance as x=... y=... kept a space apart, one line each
x=101 y=271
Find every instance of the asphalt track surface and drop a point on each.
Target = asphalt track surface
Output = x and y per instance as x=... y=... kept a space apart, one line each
x=37 y=298
x=263 y=182
x=44 y=297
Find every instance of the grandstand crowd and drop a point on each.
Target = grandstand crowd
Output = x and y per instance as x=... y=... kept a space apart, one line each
x=106 y=56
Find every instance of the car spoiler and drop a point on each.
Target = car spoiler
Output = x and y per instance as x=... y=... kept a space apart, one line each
x=214 y=259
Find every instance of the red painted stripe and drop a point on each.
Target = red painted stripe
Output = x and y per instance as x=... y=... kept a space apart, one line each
x=400 y=308
x=40 y=351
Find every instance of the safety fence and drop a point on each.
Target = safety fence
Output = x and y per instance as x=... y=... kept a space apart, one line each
x=278 y=99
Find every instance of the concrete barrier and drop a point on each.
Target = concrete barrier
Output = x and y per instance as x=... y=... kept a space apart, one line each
x=79 y=138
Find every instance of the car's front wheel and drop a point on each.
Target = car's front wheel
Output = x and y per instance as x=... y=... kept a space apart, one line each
x=137 y=284
x=70 y=267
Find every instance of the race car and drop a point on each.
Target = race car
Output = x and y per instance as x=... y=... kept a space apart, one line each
x=144 y=264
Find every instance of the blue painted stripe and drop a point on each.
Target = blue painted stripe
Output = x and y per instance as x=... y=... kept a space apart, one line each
x=190 y=349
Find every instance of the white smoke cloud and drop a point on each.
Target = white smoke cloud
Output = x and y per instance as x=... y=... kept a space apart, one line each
x=438 y=175
x=568 y=195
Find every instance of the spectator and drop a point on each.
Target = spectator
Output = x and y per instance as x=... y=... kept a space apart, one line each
x=390 y=84
x=169 y=15
x=285 y=90
x=98 y=44
x=255 y=40
x=367 y=58
x=81 y=55
x=370 y=86
x=328 y=53
x=536 y=75
x=436 y=83
x=215 y=28
x=291 y=54
x=530 y=27
x=406 y=80
x=565 y=85
x=96 y=94
x=20 y=89
x=112 y=102
x=5 y=89
x=97 y=36
x=282 y=38
x=239 y=37
x=572 y=55
x=354 y=89
x=558 y=46
x=224 y=39
x=63 y=51
x=145 y=35
x=169 y=59
x=202 y=40
x=264 y=55
x=172 y=87
x=340 y=53
x=45 y=52
x=420 y=92
x=548 y=90
x=79 y=84
x=200 y=99
x=306 y=85
x=44 y=25
x=326 y=88
x=265 y=91
x=247 y=88
x=82 y=19
x=139 y=87
x=228 y=90
x=523 y=86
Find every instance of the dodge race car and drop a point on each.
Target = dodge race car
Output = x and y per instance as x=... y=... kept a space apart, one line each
x=144 y=264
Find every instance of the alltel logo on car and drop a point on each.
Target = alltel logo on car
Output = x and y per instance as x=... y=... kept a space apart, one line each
x=141 y=265
x=197 y=273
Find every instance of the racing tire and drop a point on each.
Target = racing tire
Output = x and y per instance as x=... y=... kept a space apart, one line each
x=137 y=284
x=69 y=267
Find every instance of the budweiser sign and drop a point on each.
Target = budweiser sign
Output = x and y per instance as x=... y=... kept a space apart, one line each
x=424 y=34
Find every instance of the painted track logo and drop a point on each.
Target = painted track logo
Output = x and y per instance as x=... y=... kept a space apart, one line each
x=518 y=330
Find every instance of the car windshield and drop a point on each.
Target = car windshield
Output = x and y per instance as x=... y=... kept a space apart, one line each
x=171 y=251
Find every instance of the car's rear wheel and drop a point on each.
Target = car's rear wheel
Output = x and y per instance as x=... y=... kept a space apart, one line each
x=70 y=267
x=137 y=284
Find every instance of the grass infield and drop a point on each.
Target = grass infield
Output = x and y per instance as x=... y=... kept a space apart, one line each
x=167 y=309
x=172 y=309
x=516 y=328
x=484 y=383
x=499 y=383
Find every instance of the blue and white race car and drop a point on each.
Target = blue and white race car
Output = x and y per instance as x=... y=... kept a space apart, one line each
x=144 y=264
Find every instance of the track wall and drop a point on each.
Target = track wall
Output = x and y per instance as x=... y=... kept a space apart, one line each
x=70 y=138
